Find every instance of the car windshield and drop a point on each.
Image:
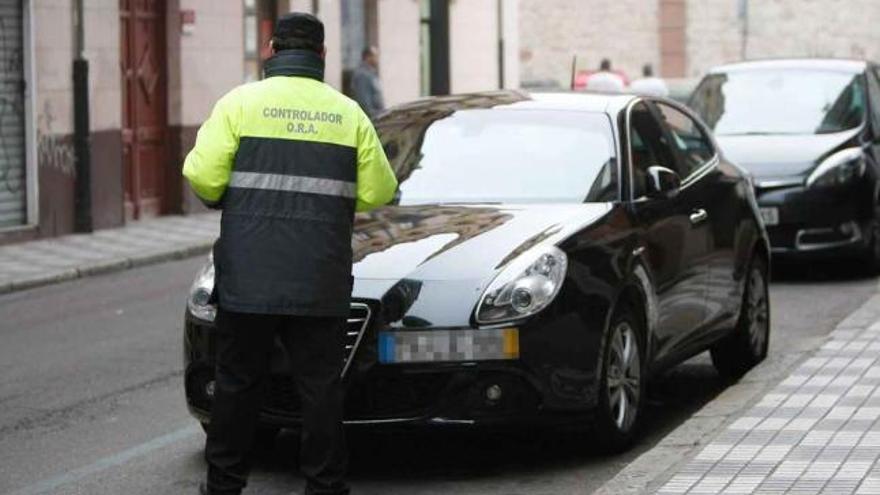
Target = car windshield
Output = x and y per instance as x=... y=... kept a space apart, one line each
x=781 y=101
x=501 y=156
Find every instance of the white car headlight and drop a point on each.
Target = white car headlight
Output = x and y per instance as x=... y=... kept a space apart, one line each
x=838 y=169
x=525 y=287
x=199 y=300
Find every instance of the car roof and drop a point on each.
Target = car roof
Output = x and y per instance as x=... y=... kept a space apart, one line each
x=516 y=100
x=832 y=64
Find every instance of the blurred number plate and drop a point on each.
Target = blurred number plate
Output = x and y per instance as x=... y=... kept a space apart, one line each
x=448 y=345
x=770 y=216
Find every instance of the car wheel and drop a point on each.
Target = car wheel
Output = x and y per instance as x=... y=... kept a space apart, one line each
x=872 y=253
x=747 y=345
x=621 y=388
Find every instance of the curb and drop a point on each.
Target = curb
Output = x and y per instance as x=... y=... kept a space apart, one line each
x=107 y=266
x=648 y=469
x=647 y=473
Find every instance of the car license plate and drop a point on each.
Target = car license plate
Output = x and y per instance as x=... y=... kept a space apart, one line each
x=770 y=216
x=448 y=345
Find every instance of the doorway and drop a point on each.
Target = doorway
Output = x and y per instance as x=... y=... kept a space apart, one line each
x=144 y=106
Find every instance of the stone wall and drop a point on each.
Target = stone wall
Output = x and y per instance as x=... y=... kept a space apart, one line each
x=714 y=34
x=820 y=28
x=779 y=28
x=553 y=31
x=626 y=31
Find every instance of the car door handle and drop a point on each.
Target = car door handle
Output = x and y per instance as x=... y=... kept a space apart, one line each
x=698 y=216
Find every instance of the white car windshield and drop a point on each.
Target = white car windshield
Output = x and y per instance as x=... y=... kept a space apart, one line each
x=503 y=156
x=780 y=101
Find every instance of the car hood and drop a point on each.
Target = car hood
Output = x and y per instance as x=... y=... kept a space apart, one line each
x=778 y=155
x=459 y=247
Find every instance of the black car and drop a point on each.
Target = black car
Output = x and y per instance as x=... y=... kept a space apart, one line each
x=546 y=255
x=809 y=132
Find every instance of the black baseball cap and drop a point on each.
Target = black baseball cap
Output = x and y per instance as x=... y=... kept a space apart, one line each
x=300 y=25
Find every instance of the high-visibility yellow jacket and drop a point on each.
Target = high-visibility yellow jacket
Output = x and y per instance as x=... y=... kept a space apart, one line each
x=289 y=160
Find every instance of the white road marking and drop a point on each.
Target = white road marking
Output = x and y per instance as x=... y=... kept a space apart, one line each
x=114 y=460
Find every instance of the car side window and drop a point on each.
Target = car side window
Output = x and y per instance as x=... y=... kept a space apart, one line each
x=693 y=146
x=604 y=189
x=648 y=147
x=874 y=96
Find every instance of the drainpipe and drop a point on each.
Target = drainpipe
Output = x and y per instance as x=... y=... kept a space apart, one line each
x=744 y=23
x=440 y=83
x=501 y=44
x=81 y=134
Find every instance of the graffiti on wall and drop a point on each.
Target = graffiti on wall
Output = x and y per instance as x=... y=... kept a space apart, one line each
x=11 y=115
x=54 y=150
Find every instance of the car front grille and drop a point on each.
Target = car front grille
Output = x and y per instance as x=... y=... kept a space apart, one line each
x=372 y=394
x=358 y=321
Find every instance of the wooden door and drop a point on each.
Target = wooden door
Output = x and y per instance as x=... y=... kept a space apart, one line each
x=144 y=105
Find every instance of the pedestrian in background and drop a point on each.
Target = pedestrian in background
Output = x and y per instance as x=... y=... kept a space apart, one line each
x=365 y=84
x=288 y=160
x=649 y=85
x=606 y=81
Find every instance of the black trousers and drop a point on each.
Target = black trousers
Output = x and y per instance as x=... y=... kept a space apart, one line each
x=244 y=343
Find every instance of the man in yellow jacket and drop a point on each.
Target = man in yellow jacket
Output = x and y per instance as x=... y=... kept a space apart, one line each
x=288 y=160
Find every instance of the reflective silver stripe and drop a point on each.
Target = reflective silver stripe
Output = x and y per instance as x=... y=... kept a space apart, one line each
x=293 y=183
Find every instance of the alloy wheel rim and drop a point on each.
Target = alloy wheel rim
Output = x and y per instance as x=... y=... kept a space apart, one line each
x=623 y=379
x=758 y=311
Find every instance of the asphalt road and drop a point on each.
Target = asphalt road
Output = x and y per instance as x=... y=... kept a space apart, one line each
x=91 y=399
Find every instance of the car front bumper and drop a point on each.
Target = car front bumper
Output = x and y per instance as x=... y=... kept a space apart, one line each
x=815 y=223
x=533 y=389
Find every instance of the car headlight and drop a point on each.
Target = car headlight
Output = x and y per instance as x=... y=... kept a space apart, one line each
x=525 y=287
x=199 y=302
x=838 y=169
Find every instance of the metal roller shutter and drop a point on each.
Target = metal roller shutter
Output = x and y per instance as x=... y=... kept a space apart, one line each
x=12 y=140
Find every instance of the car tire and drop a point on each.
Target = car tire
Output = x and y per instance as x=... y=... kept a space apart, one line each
x=621 y=383
x=872 y=252
x=747 y=346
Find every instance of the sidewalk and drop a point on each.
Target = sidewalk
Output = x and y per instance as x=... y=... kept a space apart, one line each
x=42 y=262
x=816 y=432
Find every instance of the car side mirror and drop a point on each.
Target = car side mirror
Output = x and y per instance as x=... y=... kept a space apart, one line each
x=663 y=183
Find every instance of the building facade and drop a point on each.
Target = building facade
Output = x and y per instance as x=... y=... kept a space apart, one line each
x=156 y=67
x=684 y=38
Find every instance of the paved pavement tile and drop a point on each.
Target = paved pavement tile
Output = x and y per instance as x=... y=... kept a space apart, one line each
x=41 y=262
x=817 y=432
